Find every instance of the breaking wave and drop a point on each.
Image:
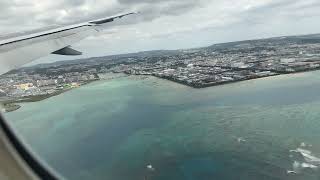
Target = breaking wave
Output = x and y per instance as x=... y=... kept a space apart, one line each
x=303 y=159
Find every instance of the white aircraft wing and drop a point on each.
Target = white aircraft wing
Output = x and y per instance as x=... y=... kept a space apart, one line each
x=20 y=50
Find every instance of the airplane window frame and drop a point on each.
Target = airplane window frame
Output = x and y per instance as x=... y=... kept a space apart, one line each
x=31 y=161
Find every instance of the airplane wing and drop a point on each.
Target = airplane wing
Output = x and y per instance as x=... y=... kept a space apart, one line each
x=17 y=160
x=17 y=51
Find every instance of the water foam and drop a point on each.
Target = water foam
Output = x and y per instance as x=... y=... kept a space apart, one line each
x=309 y=160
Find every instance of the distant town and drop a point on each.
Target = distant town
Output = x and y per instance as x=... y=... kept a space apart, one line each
x=198 y=68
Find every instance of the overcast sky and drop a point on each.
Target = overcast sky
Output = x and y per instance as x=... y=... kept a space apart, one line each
x=166 y=24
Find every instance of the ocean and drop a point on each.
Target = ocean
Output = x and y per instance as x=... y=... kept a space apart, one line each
x=145 y=128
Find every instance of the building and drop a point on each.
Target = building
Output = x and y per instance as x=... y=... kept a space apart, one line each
x=2 y=93
x=24 y=86
x=41 y=83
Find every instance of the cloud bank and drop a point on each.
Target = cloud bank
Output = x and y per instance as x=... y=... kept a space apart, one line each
x=166 y=24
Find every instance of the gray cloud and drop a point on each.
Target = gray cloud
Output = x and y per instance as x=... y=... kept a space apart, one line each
x=43 y=13
x=166 y=23
x=71 y=11
x=289 y=10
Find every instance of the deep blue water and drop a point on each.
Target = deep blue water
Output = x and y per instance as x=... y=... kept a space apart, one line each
x=115 y=129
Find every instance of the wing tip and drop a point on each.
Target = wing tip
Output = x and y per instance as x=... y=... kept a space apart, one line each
x=110 y=19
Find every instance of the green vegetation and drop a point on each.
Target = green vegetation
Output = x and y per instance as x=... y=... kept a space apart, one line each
x=11 y=107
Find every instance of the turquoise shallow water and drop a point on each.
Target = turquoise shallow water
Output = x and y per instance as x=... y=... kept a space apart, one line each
x=256 y=129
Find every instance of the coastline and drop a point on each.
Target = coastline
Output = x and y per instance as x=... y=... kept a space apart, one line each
x=13 y=104
x=10 y=107
x=200 y=86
